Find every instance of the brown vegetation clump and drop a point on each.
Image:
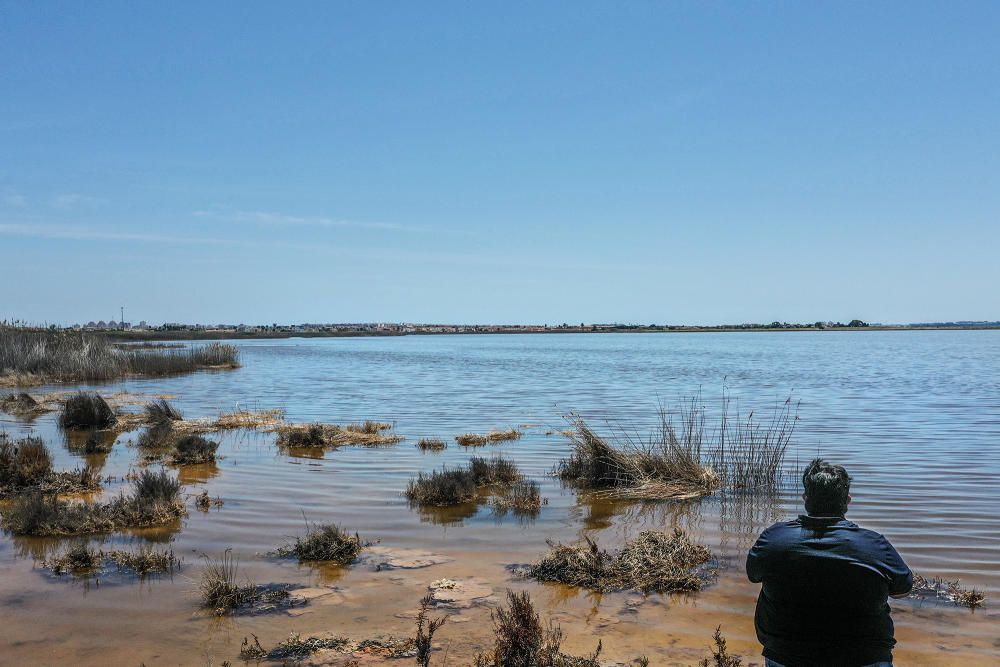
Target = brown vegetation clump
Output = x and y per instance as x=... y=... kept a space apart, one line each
x=26 y=467
x=451 y=487
x=952 y=591
x=79 y=559
x=523 y=499
x=161 y=411
x=87 y=410
x=21 y=405
x=653 y=562
x=431 y=444
x=493 y=437
x=325 y=542
x=242 y=419
x=369 y=434
x=154 y=501
x=220 y=588
x=193 y=449
x=521 y=640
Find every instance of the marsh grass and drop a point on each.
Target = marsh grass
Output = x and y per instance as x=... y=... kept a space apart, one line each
x=523 y=499
x=325 y=542
x=30 y=356
x=153 y=501
x=87 y=411
x=193 y=449
x=522 y=640
x=367 y=434
x=296 y=648
x=82 y=560
x=26 y=468
x=446 y=487
x=653 y=562
x=426 y=628
x=493 y=437
x=220 y=587
x=431 y=445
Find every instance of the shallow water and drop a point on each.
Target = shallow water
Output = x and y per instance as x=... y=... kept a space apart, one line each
x=914 y=416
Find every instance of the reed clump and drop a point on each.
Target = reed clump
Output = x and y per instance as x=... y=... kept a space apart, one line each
x=446 y=487
x=493 y=437
x=521 y=640
x=368 y=434
x=154 y=501
x=26 y=467
x=680 y=459
x=431 y=445
x=30 y=356
x=220 y=587
x=325 y=542
x=654 y=561
x=87 y=411
x=161 y=411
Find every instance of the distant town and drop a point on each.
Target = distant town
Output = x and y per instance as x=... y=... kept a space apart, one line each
x=144 y=330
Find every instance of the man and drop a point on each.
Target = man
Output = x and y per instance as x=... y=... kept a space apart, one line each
x=825 y=582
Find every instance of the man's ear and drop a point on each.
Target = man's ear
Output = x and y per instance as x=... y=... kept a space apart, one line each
x=849 y=499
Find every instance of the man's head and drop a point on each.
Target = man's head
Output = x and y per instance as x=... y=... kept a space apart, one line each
x=827 y=489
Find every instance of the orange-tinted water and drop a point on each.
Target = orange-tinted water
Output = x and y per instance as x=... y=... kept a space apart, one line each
x=913 y=416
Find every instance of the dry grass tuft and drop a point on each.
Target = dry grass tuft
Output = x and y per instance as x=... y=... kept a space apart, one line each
x=81 y=560
x=653 y=562
x=431 y=444
x=161 y=411
x=325 y=542
x=219 y=586
x=368 y=434
x=247 y=419
x=493 y=437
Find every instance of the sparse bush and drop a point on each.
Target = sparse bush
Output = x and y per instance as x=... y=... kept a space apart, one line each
x=425 y=631
x=326 y=542
x=156 y=487
x=87 y=410
x=522 y=641
x=720 y=654
x=191 y=449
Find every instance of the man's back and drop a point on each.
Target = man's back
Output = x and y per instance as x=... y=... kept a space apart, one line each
x=823 y=599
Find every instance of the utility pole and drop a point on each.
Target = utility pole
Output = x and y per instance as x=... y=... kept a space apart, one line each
x=121 y=322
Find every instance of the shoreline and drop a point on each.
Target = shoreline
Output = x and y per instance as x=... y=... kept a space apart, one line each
x=217 y=334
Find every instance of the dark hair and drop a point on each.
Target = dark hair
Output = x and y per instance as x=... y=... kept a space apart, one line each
x=828 y=488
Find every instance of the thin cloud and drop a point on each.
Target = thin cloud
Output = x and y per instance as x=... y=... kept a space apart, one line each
x=69 y=200
x=89 y=234
x=16 y=200
x=281 y=219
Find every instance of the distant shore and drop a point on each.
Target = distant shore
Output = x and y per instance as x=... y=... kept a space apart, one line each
x=227 y=334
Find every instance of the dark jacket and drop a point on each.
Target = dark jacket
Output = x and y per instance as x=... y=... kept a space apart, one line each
x=824 y=594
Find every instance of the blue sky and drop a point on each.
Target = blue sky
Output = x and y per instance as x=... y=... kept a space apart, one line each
x=685 y=162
